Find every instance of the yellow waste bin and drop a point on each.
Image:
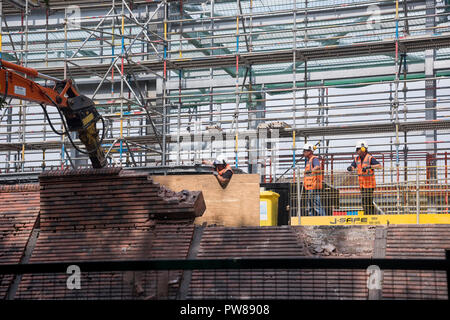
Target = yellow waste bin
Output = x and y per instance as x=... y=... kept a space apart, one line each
x=268 y=208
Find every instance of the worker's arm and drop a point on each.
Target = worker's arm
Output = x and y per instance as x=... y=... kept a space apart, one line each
x=352 y=166
x=223 y=181
x=207 y=162
x=374 y=164
x=316 y=166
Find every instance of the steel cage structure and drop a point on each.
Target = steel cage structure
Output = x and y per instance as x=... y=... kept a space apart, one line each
x=181 y=81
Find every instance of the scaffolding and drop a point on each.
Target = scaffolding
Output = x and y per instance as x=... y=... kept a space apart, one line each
x=182 y=81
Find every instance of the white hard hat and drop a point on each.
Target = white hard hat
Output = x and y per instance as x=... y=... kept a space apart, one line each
x=308 y=146
x=221 y=159
x=361 y=143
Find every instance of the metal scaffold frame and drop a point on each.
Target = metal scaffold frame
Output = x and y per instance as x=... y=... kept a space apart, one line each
x=130 y=104
x=171 y=76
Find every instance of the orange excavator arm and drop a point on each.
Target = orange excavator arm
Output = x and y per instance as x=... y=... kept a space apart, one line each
x=79 y=112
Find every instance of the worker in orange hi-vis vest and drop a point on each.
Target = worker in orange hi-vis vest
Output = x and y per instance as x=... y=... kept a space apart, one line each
x=365 y=164
x=222 y=172
x=312 y=182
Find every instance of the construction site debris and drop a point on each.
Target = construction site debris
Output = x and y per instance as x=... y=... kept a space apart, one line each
x=338 y=240
x=111 y=199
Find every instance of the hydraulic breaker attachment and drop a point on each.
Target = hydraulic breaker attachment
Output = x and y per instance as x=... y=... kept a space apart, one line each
x=81 y=116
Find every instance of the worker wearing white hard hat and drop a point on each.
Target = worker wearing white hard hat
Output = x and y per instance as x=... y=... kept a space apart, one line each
x=365 y=164
x=220 y=160
x=222 y=170
x=312 y=181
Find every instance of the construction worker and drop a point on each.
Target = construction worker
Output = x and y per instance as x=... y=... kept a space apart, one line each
x=365 y=164
x=223 y=171
x=312 y=181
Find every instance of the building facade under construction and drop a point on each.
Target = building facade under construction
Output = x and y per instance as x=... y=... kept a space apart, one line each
x=191 y=90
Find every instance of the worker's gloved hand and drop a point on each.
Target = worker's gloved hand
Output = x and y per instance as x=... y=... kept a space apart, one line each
x=349 y=169
x=215 y=173
x=364 y=169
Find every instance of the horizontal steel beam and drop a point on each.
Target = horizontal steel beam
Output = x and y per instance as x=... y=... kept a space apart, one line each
x=235 y=264
x=230 y=82
x=408 y=45
x=56 y=144
x=325 y=13
x=362 y=128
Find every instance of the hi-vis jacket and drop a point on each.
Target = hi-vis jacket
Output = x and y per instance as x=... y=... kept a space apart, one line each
x=313 y=180
x=228 y=167
x=366 y=179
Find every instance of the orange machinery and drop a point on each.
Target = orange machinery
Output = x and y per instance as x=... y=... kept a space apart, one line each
x=77 y=112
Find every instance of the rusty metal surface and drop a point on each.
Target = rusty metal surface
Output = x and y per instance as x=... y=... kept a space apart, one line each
x=110 y=198
x=268 y=242
x=19 y=209
x=416 y=241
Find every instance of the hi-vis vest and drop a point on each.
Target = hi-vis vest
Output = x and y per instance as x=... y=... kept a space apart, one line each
x=228 y=167
x=313 y=180
x=366 y=179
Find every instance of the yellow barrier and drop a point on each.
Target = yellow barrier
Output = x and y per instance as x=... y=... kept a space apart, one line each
x=372 y=220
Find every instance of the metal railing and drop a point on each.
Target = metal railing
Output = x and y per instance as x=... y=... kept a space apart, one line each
x=420 y=193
